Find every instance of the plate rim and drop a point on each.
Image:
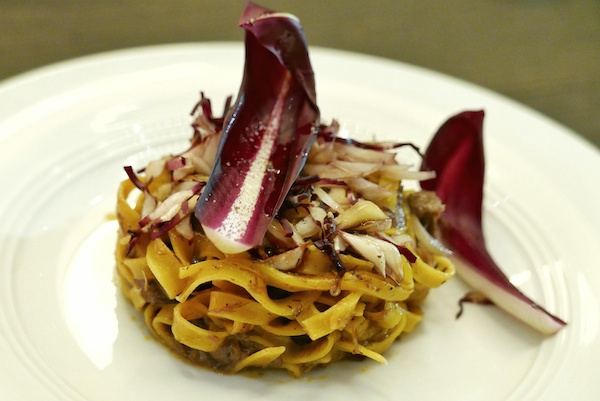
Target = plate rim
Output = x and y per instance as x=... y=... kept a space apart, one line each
x=49 y=70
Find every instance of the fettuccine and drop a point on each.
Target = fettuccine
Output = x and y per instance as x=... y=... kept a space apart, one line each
x=341 y=272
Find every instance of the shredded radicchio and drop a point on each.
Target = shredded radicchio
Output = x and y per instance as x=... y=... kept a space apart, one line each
x=134 y=178
x=330 y=134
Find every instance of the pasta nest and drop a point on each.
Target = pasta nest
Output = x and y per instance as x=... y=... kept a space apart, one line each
x=341 y=273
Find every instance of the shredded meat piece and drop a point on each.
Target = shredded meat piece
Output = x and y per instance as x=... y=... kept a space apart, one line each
x=195 y=356
x=224 y=359
x=152 y=292
x=426 y=206
x=227 y=355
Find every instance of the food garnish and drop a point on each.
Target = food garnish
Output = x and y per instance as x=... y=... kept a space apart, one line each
x=456 y=154
x=266 y=135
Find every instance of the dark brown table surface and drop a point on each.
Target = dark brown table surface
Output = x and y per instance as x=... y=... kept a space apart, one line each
x=544 y=54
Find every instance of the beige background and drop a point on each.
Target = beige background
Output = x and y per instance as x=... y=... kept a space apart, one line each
x=545 y=54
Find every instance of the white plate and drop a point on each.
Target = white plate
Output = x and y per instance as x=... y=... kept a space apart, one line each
x=67 y=334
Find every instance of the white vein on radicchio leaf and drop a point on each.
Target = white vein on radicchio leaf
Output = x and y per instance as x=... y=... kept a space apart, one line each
x=266 y=135
x=456 y=155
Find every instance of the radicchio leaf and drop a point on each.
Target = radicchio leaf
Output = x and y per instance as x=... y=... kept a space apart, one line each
x=456 y=155
x=266 y=135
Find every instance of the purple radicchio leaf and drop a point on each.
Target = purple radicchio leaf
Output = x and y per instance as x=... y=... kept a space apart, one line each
x=266 y=135
x=456 y=155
